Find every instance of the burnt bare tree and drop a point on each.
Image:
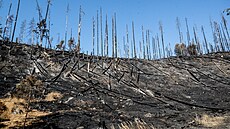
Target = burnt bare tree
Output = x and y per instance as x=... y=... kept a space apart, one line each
x=162 y=37
x=22 y=32
x=101 y=32
x=106 y=37
x=158 y=46
x=127 y=40
x=143 y=41
x=8 y=27
x=134 y=43
x=78 y=47
x=179 y=29
x=93 y=36
x=115 y=36
x=113 y=39
x=188 y=34
x=216 y=46
x=225 y=40
x=147 y=45
x=197 y=42
x=66 y=25
x=154 y=47
x=97 y=34
x=9 y=21
x=224 y=21
x=205 y=40
x=15 y=22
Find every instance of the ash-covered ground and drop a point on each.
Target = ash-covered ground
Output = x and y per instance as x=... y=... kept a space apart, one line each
x=81 y=91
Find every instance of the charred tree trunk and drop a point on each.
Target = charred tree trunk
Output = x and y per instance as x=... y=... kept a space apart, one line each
x=127 y=40
x=134 y=44
x=205 y=40
x=6 y=24
x=162 y=38
x=106 y=37
x=101 y=32
x=143 y=41
x=159 y=49
x=97 y=34
x=15 y=22
x=188 y=34
x=93 y=41
x=113 y=42
x=115 y=35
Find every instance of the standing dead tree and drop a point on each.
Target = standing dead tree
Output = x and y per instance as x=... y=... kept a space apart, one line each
x=22 y=32
x=158 y=45
x=32 y=31
x=78 y=47
x=113 y=39
x=15 y=22
x=154 y=47
x=225 y=40
x=199 y=50
x=162 y=38
x=219 y=36
x=216 y=46
x=9 y=20
x=188 y=34
x=205 y=40
x=106 y=37
x=71 y=41
x=179 y=30
x=140 y=46
x=42 y=25
x=224 y=21
x=8 y=28
x=127 y=40
x=66 y=25
x=93 y=39
x=115 y=35
x=97 y=34
x=134 y=43
x=147 y=45
x=101 y=32
x=143 y=41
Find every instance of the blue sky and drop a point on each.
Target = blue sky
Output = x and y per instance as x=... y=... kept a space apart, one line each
x=143 y=12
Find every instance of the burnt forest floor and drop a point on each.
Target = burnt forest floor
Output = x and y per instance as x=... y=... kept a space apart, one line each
x=41 y=88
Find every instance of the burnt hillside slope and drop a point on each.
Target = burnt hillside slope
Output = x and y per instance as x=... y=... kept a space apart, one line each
x=91 y=92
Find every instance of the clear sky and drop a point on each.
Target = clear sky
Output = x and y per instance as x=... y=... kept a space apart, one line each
x=143 y=12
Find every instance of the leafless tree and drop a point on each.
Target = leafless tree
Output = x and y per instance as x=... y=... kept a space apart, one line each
x=22 y=32
x=113 y=39
x=115 y=35
x=134 y=43
x=15 y=22
x=106 y=37
x=97 y=34
x=93 y=35
x=32 y=30
x=101 y=32
x=205 y=40
x=66 y=25
x=78 y=47
x=162 y=38
x=158 y=46
x=179 y=29
x=143 y=41
x=188 y=34
x=127 y=41
x=9 y=21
